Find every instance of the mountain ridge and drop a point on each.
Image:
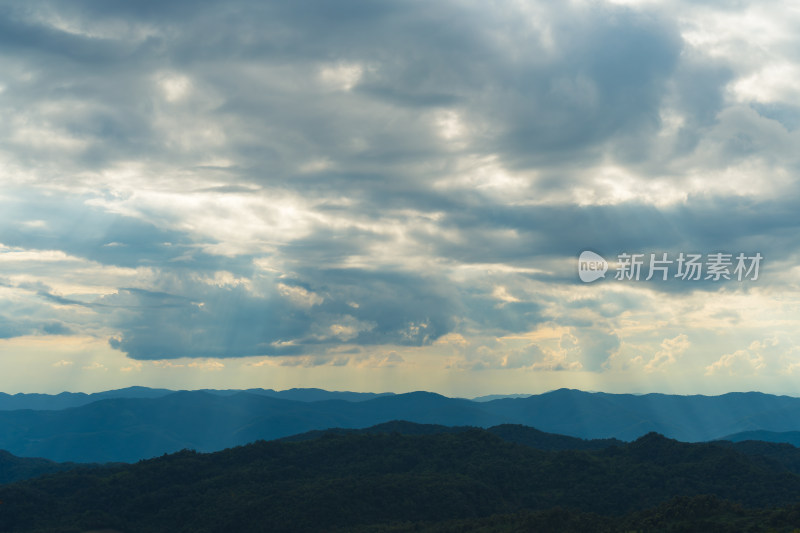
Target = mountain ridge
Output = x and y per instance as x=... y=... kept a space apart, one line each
x=64 y=400
x=129 y=429
x=390 y=481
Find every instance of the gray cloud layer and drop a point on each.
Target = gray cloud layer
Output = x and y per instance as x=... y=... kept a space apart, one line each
x=343 y=164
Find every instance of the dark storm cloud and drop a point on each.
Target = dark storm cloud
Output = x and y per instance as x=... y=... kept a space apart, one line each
x=700 y=225
x=353 y=306
x=607 y=80
x=409 y=308
x=339 y=106
x=603 y=76
x=159 y=326
x=413 y=308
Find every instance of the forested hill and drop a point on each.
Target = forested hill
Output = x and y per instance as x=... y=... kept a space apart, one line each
x=470 y=480
x=509 y=432
x=14 y=468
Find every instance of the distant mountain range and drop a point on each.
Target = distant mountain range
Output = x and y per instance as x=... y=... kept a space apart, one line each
x=790 y=437
x=65 y=400
x=136 y=423
x=490 y=397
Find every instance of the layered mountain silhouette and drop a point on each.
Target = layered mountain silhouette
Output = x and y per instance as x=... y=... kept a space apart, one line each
x=408 y=477
x=14 y=468
x=65 y=400
x=508 y=432
x=132 y=424
x=790 y=437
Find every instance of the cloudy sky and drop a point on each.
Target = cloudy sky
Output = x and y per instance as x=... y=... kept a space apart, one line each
x=393 y=195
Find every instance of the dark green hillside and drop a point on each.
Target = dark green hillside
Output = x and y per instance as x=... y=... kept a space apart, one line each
x=14 y=468
x=508 y=432
x=372 y=481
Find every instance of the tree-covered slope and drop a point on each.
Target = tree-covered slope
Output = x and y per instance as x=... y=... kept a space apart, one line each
x=362 y=481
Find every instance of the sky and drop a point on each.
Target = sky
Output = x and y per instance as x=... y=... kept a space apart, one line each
x=393 y=195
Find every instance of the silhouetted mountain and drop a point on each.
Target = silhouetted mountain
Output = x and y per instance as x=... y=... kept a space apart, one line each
x=548 y=441
x=318 y=395
x=490 y=397
x=508 y=432
x=65 y=400
x=402 y=427
x=626 y=416
x=789 y=437
x=14 y=468
x=776 y=454
x=393 y=482
x=133 y=429
x=128 y=429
